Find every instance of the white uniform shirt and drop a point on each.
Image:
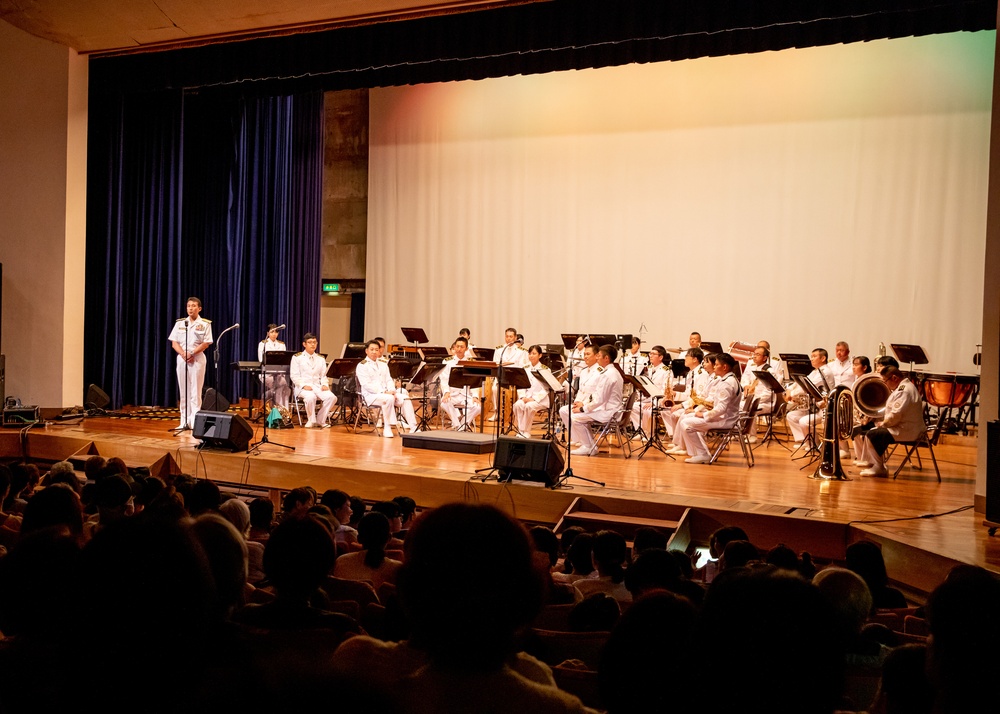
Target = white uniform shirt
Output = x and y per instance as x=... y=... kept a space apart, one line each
x=904 y=412
x=269 y=346
x=445 y=375
x=374 y=378
x=510 y=353
x=309 y=370
x=762 y=393
x=726 y=396
x=538 y=391
x=661 y=376
x=198 y=331
x=843 y=372
x=605 y=395
x=633 y=364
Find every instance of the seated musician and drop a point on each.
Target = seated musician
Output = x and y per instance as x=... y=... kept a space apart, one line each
x=461 y=404
x=726 y=397
x=383 y=355
x=308 y=375
x=601 y=400
x=378 y=388
x=885 y=361
x=576 y=355
x=275 y=383
x=582 y=374
x=777 y=366
x=633 y=361
x=695 y=382
x=754 y=388
x=842 y=365
x=694 y=342
x=530 y=400
x=660 y=375
x=805 y=415
x=903 y=421
x=861 y=367
x=701 y=399
x=509 y=354
x=467 y=334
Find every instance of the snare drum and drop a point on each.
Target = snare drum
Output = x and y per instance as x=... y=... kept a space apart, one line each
x=949 y=390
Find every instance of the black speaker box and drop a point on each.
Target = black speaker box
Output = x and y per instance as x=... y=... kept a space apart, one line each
x=214 y=402
x=96 y=398
x=222 y=430
x=529 y=459
x=993 y=471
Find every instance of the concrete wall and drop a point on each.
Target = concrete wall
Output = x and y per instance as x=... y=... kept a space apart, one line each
x=43 y=157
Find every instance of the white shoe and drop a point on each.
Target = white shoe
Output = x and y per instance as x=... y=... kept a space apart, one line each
x=388 y=433
x=674 y=451
x=522 y=436
x=845 y=454
x=752 y=439
x=863 y=464
x=492 y=418
x=412 y=429
x=584 y=451
x=697 y=460
x=310 y=424
x=877 y=473
x=327 y=425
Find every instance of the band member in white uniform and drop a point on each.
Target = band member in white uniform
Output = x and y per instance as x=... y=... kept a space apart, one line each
x=530 y=400
x=842 y=366
x=694 y=341
x=509 y=355
x=696 y=381
x=190 y=338
x=777 y=366
x=633 y=361
x=275 y=383
x=602 y=400
x=701 y=400
x=379 y=389
x=461 y=404
x=583 y=373
x=754 y=388
x=725 y=410
x=903 y=421
x=661 y=376
x=308 y=373
x=467 y=334
x=861 y=366
x=800 y=420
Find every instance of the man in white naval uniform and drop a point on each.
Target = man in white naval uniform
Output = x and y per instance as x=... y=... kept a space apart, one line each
x=603 y=400
x=695 y=382
x=583 y=375
x=308 y=373
x=509 y=354
x=801 y=420
x=531 y=400
x=190 y=338
x=903 y=421
x=275 y=383
x=661 y=376
x=842 y=366
x=725 y=410
x=633 y=361
x=459 y=403
x=766 y=399
x=378 y=388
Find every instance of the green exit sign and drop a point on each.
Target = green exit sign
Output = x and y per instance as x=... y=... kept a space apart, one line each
x=331 y=287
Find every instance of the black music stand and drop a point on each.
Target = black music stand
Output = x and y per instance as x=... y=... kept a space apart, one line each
x=554 y=387
x=776 y=388
x=812 y=450
x=653 y=441
x=279 y=358
x=279 y=362
x=341 y=369
x=466 y=379
x=638 y=387
x=510 y=377
x=424 y=376
x=354 y=350
x=711 y=347
x=599 y=340
x=914 y=354
x=416 y=335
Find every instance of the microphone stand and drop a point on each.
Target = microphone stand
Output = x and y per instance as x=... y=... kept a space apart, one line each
x=187 y=381
x=568 y=473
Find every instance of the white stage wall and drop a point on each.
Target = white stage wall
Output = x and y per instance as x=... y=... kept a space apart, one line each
x=802 y=197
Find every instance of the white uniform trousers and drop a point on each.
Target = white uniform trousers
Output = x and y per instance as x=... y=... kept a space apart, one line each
x=309 y=397
x=190 y=380
x=580 y=431
x=695 y=428
x=388 y=403
x=461 y=411
x=800 y=421
x=524 y=414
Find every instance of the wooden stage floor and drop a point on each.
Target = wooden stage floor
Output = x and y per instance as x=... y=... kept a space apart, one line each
x=914 y=517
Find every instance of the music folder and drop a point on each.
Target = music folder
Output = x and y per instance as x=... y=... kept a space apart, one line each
x=342 y=367
x=515 y=377
x=277 y=361
x=546 y=377
x=649 y=386
x=768 y=379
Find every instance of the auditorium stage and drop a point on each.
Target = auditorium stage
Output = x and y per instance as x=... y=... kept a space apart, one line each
x=924 y=527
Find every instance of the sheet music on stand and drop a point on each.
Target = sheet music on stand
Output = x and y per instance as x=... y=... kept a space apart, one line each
x=424 y=378
x=771 y=382
x=277 y=361
x=401 y=368
x=416 y=335
x=712 y=347
x=353 y=350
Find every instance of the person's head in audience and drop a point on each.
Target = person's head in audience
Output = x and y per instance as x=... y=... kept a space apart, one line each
x=781 y=637
x=150 y=487
x=407 y=510
x=298 y=556
x=114 y=499
x=205 y=498
x=651 y=643
x=654 y=569
x=597 y=612
x=581 y=554
x=610 y=554
x=262 y=514
x=237 y=512
x=183 y=483
x=59 y=467
x=358 y=509
x=865 y=558
x=683 y=562
x=469 y=584
x=325 y=516
x=904 y=687
x=55 y=506
x=226 y=549
x=24 y=478
x=962 y=653
x=737 y=554
x=566 y=540
x=390 y=510
x=374 y=535
x=647 y=538
x=339 y=504
x=545 y=542
x=848 y=595
x=94 y=467
x=63 y=476
x=167 y=506
x=719 y=538
x=116 y=465
x=296 y=504
x=781 y=556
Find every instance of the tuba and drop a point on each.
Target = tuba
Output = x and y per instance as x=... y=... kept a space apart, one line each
x=870 y=394
x=866 y=400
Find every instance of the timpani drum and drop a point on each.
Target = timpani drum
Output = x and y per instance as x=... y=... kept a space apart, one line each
x=949 y=390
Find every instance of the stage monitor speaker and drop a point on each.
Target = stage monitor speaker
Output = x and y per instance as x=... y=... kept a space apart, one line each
x=529 y=459
x=222 y=430
x=214 y=402
x=993 y=471
x=96 y=398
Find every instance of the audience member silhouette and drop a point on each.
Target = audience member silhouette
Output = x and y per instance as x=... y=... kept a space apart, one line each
x=370 y=563
x=865 y=558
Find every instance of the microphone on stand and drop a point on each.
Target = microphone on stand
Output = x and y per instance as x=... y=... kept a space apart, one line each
x=280 y=327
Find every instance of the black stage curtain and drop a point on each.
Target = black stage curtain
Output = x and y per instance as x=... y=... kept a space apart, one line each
x=198 y=194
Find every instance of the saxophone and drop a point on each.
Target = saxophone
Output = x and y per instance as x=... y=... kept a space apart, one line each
x=700 y=401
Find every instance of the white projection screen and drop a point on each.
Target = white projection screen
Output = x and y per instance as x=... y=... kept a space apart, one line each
x=804 y=197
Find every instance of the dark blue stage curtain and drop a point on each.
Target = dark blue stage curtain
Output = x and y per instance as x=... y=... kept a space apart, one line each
x=198 y=194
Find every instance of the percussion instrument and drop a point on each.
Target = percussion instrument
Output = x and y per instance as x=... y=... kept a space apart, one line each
x=742 y=352
x=949 y=390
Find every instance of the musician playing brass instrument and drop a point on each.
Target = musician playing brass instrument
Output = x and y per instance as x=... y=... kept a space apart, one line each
x=660 y=375
x=904 y=421
x=696 y=404
x=753 y=387
x=802 y=419
x=862 y=423
x=695 y=382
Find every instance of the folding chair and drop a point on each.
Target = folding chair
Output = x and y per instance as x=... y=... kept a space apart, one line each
x=618 y=425
x=740 y=431
x=926 y=441
x=371 y=414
